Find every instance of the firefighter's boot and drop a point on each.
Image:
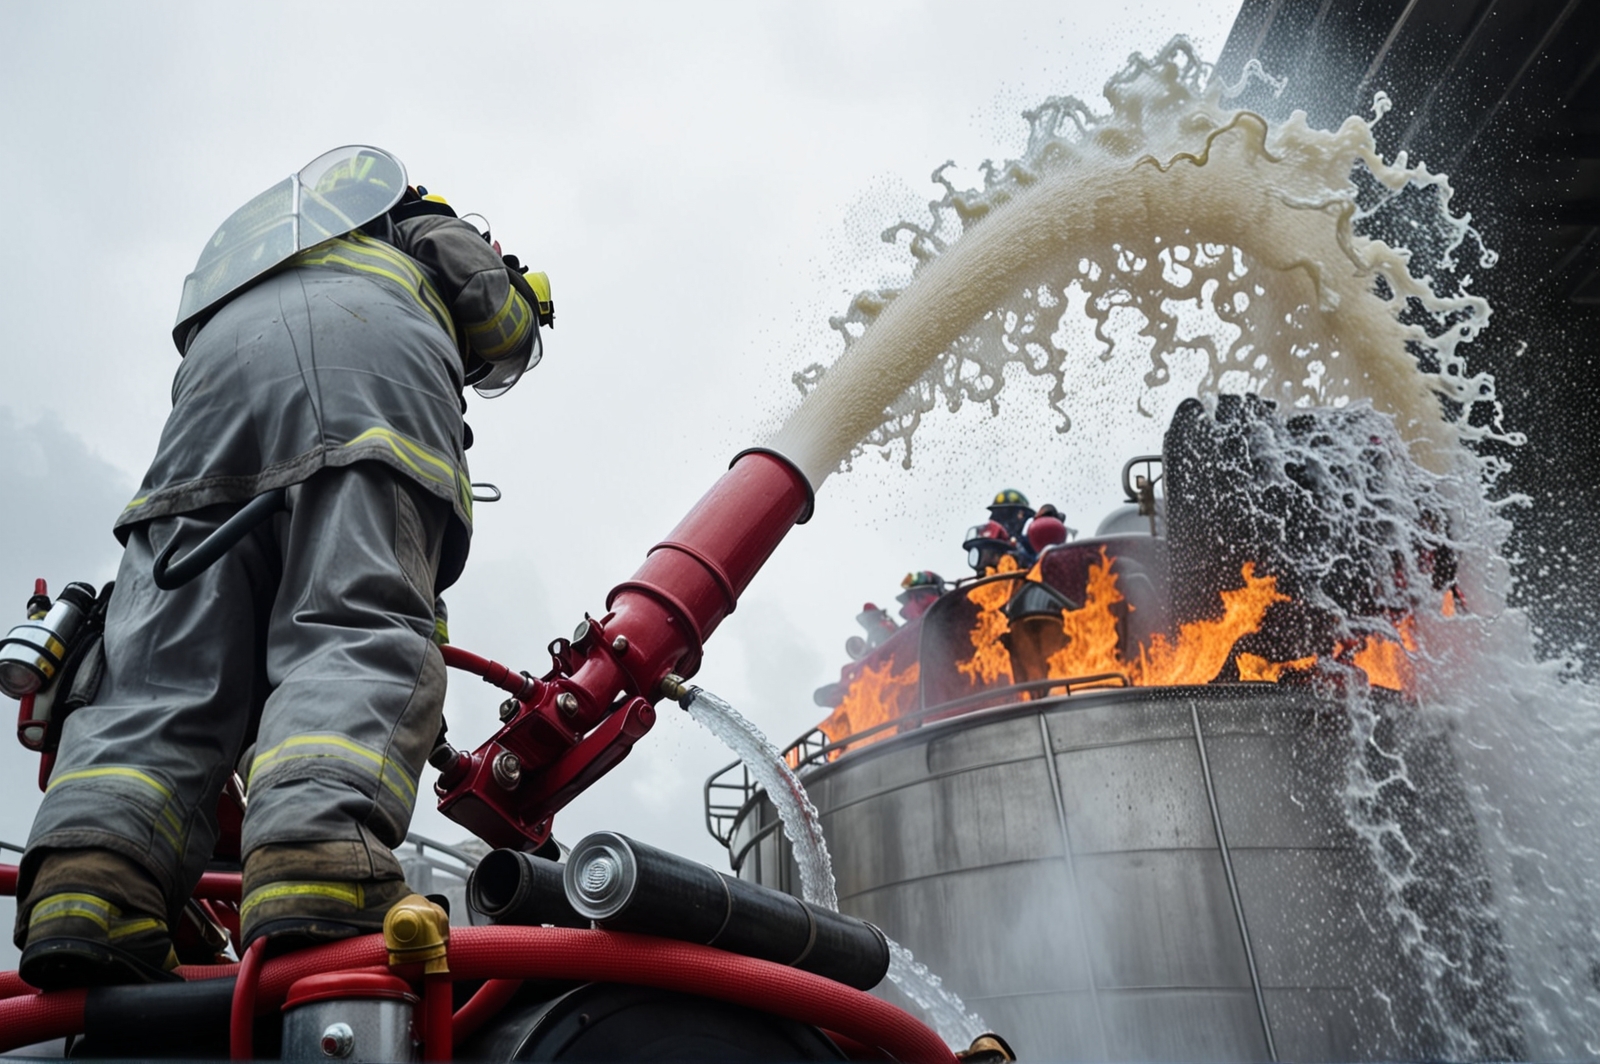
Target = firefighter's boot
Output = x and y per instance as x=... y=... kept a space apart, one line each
x=306 y=894
x=92 y=918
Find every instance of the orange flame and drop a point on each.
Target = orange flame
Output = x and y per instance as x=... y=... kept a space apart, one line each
x=1203 y=646
x=1092 y=639
x=876 y=695
x=990 y=660
x=1255 y=668
x=1093 y=645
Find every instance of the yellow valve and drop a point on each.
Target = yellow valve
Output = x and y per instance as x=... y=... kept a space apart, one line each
x=987 y=1048
x=416 y=930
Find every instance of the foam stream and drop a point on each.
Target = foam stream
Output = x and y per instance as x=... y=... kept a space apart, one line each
x=1168 y=200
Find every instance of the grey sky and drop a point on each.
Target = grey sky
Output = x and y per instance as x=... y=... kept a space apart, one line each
x=704 y=184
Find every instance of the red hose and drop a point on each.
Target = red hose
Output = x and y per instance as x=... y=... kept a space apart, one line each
x=29 y=1018
x=241 y=1022
x=11 y=985
x=491 y=672
x=490 y=999
x=562 y=953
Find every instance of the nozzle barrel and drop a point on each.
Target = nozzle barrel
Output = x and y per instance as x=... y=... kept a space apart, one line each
x=580 y=720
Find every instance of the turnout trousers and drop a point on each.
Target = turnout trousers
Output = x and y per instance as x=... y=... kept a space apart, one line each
x=309 y=643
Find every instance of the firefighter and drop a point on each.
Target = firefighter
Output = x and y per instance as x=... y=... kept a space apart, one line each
x=1011 y=509
x=921 y=590
x=326 y=335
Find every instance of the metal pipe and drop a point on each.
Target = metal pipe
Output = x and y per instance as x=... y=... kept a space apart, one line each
x=1233 y=886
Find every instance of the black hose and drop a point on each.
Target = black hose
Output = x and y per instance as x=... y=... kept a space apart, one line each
x=512 y=887
x=170 y=575
x=625 y=885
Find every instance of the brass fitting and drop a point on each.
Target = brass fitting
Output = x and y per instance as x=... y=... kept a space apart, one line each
x=674 y=687
x=988 y=1048
x=416 y=929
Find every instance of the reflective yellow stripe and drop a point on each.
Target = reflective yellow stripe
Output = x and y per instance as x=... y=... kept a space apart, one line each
x=349 y=893
x=140 y=501
x=80 y=906
x=126 y=773
x=134 y=926
x=360 y=253
x=400 y=446
x=490 y=339
x=409 y=450
x=278 y=754
x=172 y=831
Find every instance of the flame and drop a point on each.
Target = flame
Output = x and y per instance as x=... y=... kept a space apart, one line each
x=1254 y=668
x=1203 y=647
x=877 y=694
x=1093 y=645
x=990 y=659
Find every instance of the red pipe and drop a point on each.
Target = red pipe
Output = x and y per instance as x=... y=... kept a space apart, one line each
x=437 y=1036
x=490 y=999
x=220 y=886
x=8 y=880
x=562 y=953
x=241 y=1022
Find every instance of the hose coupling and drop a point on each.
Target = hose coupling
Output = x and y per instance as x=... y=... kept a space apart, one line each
x=418 y=931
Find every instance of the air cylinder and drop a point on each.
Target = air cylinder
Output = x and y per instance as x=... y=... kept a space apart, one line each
x=625 y=885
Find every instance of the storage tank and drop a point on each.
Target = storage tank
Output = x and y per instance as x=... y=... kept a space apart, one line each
x=1155 y=874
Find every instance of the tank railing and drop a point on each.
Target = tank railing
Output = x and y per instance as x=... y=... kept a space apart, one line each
x=722 y=815
x=461 y=862
x=814 y=748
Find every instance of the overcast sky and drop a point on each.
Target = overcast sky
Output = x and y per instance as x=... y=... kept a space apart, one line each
x=703 y=182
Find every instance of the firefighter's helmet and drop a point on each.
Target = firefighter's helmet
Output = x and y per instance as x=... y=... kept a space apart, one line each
x=1010 y=497
x=921 y=589
x=986 y=544
x=1011 y=509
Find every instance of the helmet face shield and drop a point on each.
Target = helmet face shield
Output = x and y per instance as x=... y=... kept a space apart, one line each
x=334 y=193
x=494 y=379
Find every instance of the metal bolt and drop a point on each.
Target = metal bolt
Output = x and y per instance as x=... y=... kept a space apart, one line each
x=507 y=770
x=620 y=644
x=567 y=703
x=508 y=709
x=338 y=1040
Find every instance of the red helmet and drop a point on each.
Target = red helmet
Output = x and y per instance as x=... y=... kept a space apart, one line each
x=1046 y=531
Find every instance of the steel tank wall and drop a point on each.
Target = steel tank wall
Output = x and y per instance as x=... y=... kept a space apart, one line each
x=1142 y=874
